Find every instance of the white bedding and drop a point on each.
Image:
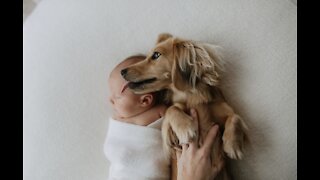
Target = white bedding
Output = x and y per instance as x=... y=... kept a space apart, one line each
x=135 y=152
x=69 y=47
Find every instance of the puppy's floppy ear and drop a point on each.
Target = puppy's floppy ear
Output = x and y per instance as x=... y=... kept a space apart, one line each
x=181 y=69
x=179 y=78
x=194 y=62
x=162 y=37
x=209 y=61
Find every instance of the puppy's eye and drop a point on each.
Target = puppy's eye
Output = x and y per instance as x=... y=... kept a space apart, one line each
x=155 y=55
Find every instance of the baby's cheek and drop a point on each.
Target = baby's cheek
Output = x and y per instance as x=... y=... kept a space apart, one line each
x=123 y=106
x=130 y=107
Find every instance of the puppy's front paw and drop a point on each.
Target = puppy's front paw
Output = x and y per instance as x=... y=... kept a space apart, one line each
x=234 y=137
x=187 y=131
x=233 y=149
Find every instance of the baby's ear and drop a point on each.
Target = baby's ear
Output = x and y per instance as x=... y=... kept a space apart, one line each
x=146 y=100
x=162 y=37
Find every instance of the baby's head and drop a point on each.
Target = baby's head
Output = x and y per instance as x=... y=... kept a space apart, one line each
x=125 y=103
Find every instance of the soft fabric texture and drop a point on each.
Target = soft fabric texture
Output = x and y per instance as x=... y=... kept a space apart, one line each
x=70 y=47
x=135 y=152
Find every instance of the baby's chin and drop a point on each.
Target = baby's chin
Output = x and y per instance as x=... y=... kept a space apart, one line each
x=117 y=116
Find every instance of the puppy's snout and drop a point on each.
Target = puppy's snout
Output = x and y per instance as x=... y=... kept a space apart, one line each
x=124 y=72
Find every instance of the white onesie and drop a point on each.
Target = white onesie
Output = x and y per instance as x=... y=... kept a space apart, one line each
x=135 y=152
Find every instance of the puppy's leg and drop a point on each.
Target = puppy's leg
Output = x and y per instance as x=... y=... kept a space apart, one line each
x=170 y=140
x=182 y=125
x=234 y=137
x=235 y=130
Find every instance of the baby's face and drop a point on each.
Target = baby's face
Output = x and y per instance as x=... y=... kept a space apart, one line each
x=125 y=104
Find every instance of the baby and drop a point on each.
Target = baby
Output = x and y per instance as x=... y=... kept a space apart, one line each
x=134 y=145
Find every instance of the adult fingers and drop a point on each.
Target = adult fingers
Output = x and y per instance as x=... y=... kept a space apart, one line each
x=184 y=147
x=209 y=140
x=194 y=115
x=178 y=154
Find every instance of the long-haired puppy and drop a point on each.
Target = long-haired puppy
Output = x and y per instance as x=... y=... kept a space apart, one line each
x=190 y=71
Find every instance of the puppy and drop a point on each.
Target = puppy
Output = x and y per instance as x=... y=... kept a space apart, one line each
x=190 y=71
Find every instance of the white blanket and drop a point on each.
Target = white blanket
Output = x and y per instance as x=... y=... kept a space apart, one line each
x=135 y=152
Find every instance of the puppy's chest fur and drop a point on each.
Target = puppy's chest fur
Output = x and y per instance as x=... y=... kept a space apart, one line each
x=203 y=101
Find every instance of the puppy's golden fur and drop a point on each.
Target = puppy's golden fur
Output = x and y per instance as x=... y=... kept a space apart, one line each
x=190 y=71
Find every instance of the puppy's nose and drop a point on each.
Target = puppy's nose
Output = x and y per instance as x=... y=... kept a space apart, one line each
x=124 y=72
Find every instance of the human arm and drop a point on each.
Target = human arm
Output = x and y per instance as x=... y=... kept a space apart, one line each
x=194 y=162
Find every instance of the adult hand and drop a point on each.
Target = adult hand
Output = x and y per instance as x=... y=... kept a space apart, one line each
x=194 y=162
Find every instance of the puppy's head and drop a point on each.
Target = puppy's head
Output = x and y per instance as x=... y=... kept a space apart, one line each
x=174 y=62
